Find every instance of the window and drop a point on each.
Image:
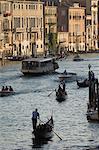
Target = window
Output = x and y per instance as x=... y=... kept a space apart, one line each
x=22 y=22
x=14 y=6
x=26 y=6
x=16 y=22
x=6 y=24
x=19 y=6
x=32 y=22
x=22 y=6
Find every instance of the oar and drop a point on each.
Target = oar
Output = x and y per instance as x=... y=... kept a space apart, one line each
x=51 y=93
x=53 y=131
x=57 y=135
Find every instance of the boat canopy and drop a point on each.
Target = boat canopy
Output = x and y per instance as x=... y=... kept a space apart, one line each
x=38 y=60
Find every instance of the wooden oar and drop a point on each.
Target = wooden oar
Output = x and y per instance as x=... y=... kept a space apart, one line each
x=53 y=131
x=51 y=93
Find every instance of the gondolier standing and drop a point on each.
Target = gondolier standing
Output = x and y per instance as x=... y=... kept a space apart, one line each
x=35 y=116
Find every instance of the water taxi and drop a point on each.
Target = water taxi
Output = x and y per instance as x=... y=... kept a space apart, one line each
x=38 y=66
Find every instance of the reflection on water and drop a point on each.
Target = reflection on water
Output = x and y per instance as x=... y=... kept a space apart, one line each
x=38 y=143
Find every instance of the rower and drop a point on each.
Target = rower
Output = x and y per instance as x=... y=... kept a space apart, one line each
x=35 y=116
x=64 y=87
x=60 y=89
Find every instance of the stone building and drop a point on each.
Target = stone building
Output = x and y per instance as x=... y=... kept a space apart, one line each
x=28 y=28
x=77 y=28
x=50 y=13
x=95 y=24
x=23 y=26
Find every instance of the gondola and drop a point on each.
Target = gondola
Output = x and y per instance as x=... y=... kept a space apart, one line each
x=6 y=93
x=44 y=130
x=61 y=95
x=84 y=83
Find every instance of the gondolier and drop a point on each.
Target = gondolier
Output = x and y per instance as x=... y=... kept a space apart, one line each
x=35 y=116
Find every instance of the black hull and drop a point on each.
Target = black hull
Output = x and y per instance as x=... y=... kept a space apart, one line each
x=44 y=131
x=61 y=97
x=82 y=84
x=37 y=74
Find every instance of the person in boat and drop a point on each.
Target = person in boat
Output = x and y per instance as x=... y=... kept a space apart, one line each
x=10 y=88
x=92 y=76
x=35 y=116
x=63 y=87
x=3 y=88
x=60 y=89
x=65 y=72
x=6 y=88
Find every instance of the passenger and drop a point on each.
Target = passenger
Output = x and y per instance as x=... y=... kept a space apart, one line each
x=3 y=88
x=65 y=72
x=35 y=116
x=6 y=88
x=10 y=88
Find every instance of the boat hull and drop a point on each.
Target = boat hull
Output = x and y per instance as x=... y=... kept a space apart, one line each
x=61 y=96
x=45 y=130
x=83 y=84
x=68 y=77
x=6 y=93
x=93 y=116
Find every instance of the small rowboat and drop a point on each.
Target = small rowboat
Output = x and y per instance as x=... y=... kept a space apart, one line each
x=45 y=130
x=6 y=93
x=61 y=96
x=69 y=76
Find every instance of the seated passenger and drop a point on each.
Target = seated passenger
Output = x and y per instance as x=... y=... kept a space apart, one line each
x=6 y=88
x=10 y=88
x=3 y=88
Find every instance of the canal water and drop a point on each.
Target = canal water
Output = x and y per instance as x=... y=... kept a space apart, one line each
x=70 y=121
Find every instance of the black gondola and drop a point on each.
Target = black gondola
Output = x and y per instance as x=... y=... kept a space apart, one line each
x=84 y=83
x=44 y=130
x=61 y=95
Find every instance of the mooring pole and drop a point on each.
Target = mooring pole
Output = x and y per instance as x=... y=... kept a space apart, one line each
x=89 y=74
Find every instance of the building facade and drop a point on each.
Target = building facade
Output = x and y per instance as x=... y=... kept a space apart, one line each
x=95 y=24
x=5 y=27
x=77 y=28
x=28 y=28
x=23 y=26
x=88 y=33
x=50 y=12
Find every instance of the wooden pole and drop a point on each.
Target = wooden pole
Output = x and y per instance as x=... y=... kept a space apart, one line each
x=89 y=75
